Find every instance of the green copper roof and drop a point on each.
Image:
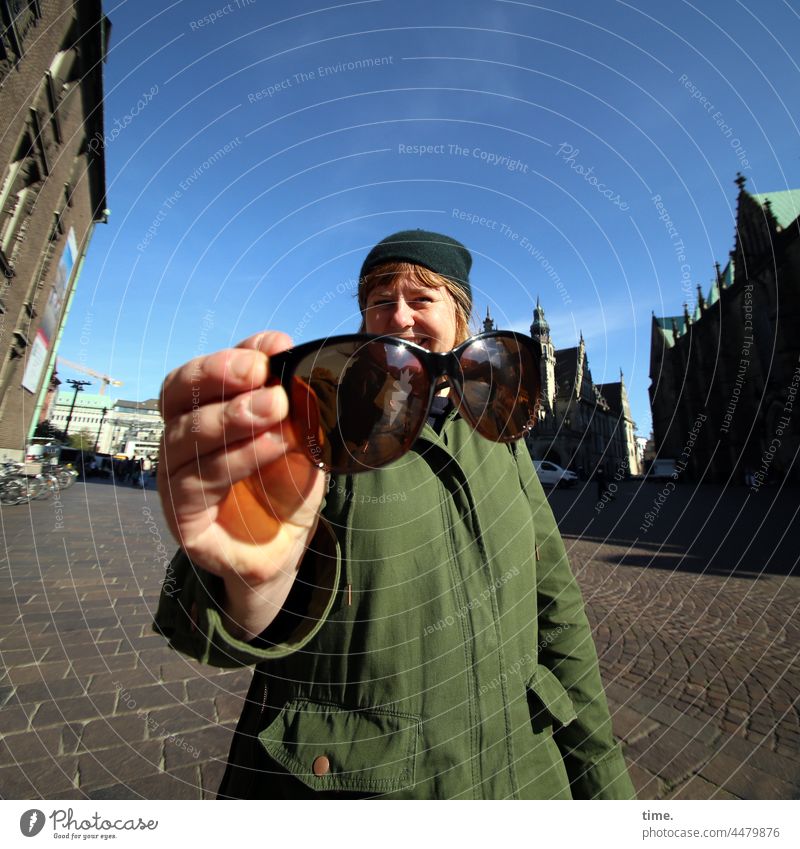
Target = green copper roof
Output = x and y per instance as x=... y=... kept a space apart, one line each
x=86 y=400
x=664 y=324
x=785 y=205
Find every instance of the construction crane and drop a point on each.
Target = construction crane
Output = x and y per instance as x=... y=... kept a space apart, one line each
x=104 y=378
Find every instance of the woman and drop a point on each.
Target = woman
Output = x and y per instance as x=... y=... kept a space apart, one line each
x=416 y=630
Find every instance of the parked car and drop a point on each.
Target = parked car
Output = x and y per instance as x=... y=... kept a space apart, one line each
x=661 y=470
x=551 y=474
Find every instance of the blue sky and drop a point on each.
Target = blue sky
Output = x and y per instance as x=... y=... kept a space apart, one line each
x=257 y=150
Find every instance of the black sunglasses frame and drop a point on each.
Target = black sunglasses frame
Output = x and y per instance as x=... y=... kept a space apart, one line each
x=437 y=364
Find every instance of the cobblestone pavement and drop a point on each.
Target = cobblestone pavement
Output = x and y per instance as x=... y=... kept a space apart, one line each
x=695 y=620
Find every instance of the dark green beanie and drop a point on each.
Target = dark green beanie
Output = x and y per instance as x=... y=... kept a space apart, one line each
x=434 y=251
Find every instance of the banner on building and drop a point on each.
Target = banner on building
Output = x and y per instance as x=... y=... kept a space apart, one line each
x=40 y=349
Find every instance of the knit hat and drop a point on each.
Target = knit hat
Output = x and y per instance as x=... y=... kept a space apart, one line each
x=434 y=251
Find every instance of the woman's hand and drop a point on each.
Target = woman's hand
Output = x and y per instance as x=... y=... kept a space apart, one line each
x=239 y=493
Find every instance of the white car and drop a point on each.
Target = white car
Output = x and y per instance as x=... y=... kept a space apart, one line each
x=551 y=474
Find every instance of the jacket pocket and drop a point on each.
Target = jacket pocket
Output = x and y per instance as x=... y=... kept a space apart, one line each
x=548 y=700
x=329 y=747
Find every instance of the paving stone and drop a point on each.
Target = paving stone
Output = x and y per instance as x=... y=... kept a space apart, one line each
x=229 y=707
x=211 y=773
x=152 y=696
x=698 y=788
x=26 y=746
x=744 y=780
x=647 y=785
x=120 y=764
x=180 y=784
x=762 y=758
x=670 y=755
x=191 y=747
x=38 y=779
x=112 y=731
x=174 y=718
x=45 y=691
x=630 y=725
x=14 y=717
x=69 y=710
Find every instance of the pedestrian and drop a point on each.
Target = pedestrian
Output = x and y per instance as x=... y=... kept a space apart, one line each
x=602 y=482
x=147 y=465
x=413 y=621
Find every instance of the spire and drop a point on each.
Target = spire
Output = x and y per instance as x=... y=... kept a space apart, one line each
x=488 y=324
x=686 y=315
x=701 y=301
x=540 y=329
x=772 y=221
x=740 y=180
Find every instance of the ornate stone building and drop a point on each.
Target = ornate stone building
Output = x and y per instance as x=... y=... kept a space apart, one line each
x=725 y=375
x=581 y=424
x=115 y=427
x=52 y=188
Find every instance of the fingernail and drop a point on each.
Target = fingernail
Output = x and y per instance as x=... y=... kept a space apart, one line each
x=240 y=364
x=267 y=403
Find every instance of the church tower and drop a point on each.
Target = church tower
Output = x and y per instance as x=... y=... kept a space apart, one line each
x=540 y=333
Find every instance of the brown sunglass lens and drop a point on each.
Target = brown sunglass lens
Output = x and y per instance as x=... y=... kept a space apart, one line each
x=357 y=406
x=500 y=389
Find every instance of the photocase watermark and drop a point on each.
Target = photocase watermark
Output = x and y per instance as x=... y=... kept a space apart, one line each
x=383 y=498
x=744 y=358
x=451 y=619
x=183 y=186
x=95 y=826
x=680 y=466
x=154 y=727
x=677 y=246
x=569 y=155
x=768 y=456
x=206 y=324
x=330 y=295
x=718 y=118
x=522 y=241
x=162 y=555
x=100 y=141
x=521 y=663
x=58 y=510
x=318 y=73
x=85 y=337
x=212 y=17
x=497 y=160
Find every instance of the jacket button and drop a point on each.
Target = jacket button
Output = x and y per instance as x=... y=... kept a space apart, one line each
x=321 y=766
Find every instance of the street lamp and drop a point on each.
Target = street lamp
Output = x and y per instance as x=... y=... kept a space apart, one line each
x=97 y=438
x=78 y=387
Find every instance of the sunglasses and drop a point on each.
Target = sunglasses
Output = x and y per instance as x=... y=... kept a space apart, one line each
x=358 y=402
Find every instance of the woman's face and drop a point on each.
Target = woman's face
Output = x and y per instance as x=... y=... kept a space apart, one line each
x=421 y=314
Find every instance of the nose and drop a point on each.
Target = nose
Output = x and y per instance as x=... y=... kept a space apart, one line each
x=402 y=316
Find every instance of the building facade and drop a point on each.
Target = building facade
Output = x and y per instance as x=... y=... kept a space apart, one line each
x=52 y=189
x=132 y=428
x=725 y=375
x=582 y=425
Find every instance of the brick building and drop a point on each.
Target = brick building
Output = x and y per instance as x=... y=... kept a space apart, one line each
x=52 y=188
x=725 y=375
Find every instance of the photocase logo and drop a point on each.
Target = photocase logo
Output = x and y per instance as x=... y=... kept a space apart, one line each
x=31 y=822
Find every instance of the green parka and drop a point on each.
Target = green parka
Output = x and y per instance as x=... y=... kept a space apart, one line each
x=434 y=645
